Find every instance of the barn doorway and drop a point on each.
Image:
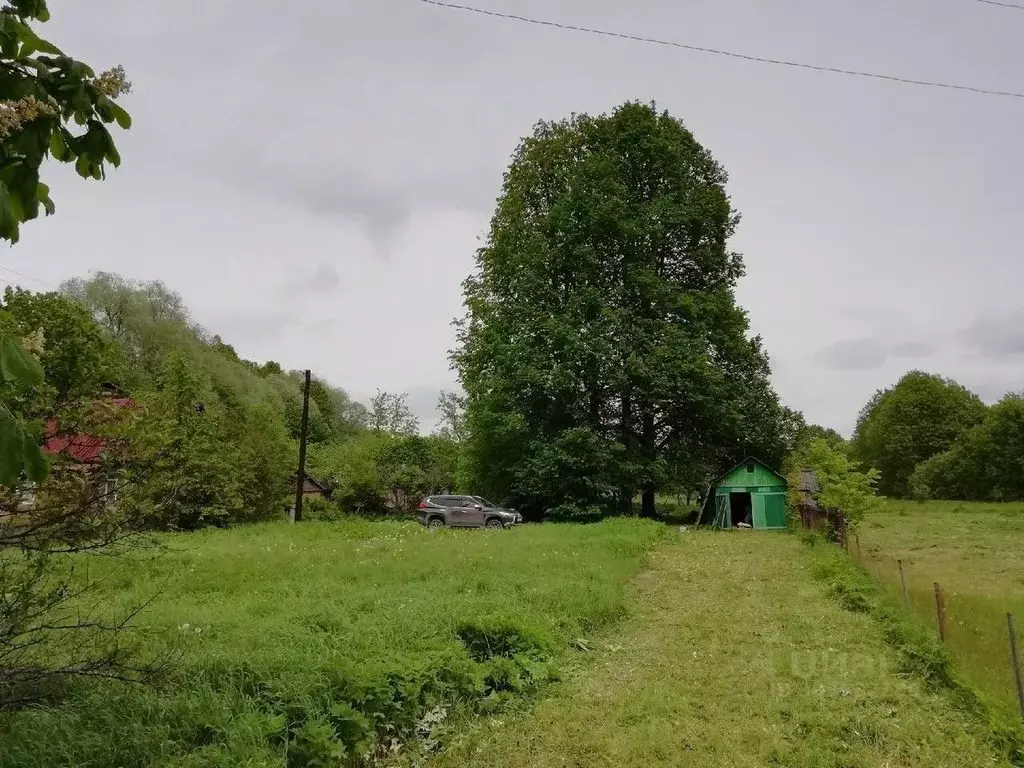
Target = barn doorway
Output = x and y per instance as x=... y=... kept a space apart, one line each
x=741 y=509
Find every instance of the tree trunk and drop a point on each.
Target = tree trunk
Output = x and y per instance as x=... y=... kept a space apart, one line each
x=626 y=490
x=647 y=503
x=647 y=452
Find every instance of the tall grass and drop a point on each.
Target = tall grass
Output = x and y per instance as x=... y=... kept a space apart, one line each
x=976 y=553
x=324 y=643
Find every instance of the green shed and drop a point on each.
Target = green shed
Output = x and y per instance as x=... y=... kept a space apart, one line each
x=751 y=493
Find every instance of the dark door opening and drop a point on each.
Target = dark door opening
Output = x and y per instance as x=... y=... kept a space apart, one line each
x=741 y=508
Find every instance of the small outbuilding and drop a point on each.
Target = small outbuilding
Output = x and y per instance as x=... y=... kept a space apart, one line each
x=311 y=487
x=751 y=494
x=830 y=522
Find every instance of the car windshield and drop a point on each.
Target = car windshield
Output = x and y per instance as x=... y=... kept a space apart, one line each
x=484 y=501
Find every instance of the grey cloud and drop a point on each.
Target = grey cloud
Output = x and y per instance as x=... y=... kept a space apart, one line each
x=993 y=390
x=915 y=350
x=855 y=354
x=338 y=193
x=382 y=203
x=423 y=402
x=319 y=133
x=323 y=279
x=996 y=336
x=870 y=352
x=251 y=326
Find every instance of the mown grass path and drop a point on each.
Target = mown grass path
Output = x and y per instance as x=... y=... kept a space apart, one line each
x=734 y=655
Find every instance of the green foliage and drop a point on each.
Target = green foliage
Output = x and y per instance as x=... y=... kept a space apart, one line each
x=983 y=463
x=318 y=641
x=452 y=409
x=603 y=351
x=909 y=423
x=44 y=96
x=390 y=413
x=378 y=473
x=20 y=372
x=212 y=460
x=843 y=486
x=76 y=356
x=220 y=432
x=322 y=510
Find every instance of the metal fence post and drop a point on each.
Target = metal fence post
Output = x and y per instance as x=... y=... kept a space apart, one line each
x=1015 y=656
x=903 y=583
x=940 y=609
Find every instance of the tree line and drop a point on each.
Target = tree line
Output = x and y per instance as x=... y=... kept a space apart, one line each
x=216 y=434
x=930 y=437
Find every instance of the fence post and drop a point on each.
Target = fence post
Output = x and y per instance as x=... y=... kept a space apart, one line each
x=1015 y=656
x=903 y=583
x=940 y=609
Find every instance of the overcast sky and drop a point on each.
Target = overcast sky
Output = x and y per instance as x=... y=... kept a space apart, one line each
x=314 y=181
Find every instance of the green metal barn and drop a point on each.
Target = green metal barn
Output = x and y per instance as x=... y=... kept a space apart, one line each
x=751 y=493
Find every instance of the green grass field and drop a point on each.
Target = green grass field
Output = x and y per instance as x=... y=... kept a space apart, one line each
x=321 y=643
x=736 y=655
x=622 y=643
x=976 y=553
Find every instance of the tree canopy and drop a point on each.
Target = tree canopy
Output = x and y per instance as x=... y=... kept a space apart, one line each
x=842 y=485
x=983 y=464
x=908 y=423
x=603 y=353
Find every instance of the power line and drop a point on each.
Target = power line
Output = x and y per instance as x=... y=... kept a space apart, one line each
x=1001 y=5
x=731 y=54
x=27 y=277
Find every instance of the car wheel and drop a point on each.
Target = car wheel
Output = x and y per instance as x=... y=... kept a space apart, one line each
x=435 y=522
x=494 y=524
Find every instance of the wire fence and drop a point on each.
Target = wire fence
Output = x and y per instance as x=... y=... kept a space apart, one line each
x=980 y=631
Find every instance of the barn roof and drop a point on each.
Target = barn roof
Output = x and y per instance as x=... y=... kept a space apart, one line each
x=749 y=460
x=809 y=489
x=310 y=484
x=809 y=481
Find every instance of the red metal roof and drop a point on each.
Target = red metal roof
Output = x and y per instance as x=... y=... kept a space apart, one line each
x=80 y=447
x=84 y=449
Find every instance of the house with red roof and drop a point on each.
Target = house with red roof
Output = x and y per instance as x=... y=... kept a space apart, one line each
x=84 y=452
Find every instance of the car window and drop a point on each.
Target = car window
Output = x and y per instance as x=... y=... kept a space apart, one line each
x=441 y=501
x=484 y=501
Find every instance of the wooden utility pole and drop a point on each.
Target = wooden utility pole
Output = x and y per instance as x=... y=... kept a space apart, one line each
x=300 y=476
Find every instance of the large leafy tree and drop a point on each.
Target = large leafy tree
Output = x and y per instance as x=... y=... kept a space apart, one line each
x=909 y=423
x=983 y=464
x=50 y=106
x=76 y=356
x=603 y=353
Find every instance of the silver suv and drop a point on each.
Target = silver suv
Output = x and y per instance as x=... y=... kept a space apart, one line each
x=465 y=512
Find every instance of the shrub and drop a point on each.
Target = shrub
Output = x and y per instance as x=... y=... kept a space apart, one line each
x=321 y=509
